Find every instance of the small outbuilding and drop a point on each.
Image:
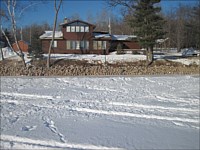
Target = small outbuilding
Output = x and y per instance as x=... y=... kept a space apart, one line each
x=24 y=46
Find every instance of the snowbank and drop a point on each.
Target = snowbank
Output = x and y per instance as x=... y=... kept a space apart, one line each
x=112 y=58
x=7 y=53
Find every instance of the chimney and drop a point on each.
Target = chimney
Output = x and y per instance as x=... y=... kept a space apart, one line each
x=65 y=20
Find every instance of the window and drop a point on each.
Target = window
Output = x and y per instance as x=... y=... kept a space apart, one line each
x=54 y=43
x=77 y=29
x=68 y=28
x=77 y=45
x=84 y=45
x=73 y=45
x=86 y=29
x=81 y=28
x=94 y=44
x=68 y=45
x=103 y=44
x=98 y=45
x=73 y=29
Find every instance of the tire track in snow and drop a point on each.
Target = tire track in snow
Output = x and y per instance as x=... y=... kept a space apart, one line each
x=110 y=103
x=111 y=112
x=126 y=114
x=152 y=106
x=34 y=96
x=26 y=142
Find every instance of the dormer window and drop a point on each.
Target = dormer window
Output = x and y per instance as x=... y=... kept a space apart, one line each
x=86 y=29
x=73 y=29
x=82 y=29
x=77 y=29
x=68 y=28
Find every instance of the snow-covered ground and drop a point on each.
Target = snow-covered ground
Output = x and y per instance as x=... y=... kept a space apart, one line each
x=111 y=58
x=100 y=112
x=9 y=54
x=94 y=58
x=114 y=58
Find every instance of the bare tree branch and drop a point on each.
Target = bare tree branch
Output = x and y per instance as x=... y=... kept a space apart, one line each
x=28 y=7
x=11 y=5
x=57 y=8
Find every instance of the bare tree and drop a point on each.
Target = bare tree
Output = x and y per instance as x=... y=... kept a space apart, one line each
x=182 y=26
x=10 y=13
x=11 y=9
x=56 y=8
x=126 y=3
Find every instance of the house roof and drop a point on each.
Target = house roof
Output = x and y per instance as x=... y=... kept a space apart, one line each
x=161 y=40
x=98 y=35
x=69 y=22
x=23 y=42
x=49 y=34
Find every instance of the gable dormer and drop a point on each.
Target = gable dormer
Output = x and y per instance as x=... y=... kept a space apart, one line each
x=77 y=26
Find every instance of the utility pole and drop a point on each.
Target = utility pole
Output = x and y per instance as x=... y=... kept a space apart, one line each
x=21 y=34
x=109 y=26
x=30 y=34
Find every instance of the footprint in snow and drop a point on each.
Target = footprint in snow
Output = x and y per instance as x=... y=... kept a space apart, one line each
x=51 y=125
x=28 y=128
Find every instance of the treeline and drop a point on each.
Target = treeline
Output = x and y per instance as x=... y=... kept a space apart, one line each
x=182 y=27
x=29 y=34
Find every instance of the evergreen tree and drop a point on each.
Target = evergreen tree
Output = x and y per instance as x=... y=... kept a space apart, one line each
x=148 y=25
x=195 y=24
x=8 y=34
x=35 y=48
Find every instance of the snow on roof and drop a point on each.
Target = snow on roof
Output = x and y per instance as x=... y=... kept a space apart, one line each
x=23 y=42
x=100 y=35
x=114 y=37
x=48 y=35
x=161 y=40
x=123 y=37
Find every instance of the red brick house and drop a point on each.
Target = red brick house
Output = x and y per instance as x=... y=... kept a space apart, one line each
x=24 y=46
x=79 y=37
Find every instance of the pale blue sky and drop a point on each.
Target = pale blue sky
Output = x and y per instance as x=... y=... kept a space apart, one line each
x=45 y=12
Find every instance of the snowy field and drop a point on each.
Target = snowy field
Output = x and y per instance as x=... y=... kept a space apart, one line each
x=146 y=112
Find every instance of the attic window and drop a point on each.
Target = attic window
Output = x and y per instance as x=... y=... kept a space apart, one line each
x=68 y=28
x=77 y=29
x=86 y=29
x=82 y=29
x=72 y=28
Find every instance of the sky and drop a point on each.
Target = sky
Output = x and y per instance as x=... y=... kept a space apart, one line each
x=44 y=12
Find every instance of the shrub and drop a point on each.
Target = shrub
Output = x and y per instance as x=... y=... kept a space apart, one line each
x=120 y=49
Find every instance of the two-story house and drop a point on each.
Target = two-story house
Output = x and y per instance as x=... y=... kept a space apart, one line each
x=78 y=37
